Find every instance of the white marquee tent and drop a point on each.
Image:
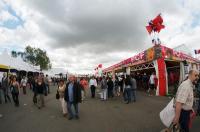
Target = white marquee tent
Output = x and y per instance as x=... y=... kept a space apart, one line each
x=16 y=63
x=55 y=71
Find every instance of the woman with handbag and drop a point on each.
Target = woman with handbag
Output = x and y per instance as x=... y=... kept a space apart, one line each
x=15 y=90
x=60 y=96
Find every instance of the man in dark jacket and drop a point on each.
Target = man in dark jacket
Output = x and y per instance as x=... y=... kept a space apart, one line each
x=198 y=92
x=5 y=87
x=110 y=87
x=133 y=88
x=72 y=96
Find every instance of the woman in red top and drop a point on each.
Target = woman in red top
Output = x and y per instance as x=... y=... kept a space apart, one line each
x=84 y=86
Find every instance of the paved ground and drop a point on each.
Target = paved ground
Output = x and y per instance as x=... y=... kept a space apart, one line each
x=95 y=116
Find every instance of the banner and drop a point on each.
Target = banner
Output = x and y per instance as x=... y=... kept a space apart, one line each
x=197 y=51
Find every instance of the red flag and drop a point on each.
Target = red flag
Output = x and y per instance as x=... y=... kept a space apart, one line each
x=159 y=27
x=155 y=25
x=149 y=29
x=157 y=20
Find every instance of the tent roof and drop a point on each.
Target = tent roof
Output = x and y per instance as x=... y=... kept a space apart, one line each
x=151 y=54
x=8 y=62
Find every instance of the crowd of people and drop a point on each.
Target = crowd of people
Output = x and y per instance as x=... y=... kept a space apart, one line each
x=73 y=91
x=14 y=85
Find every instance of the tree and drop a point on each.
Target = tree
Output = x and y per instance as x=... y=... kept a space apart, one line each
x=14 y=53
x=30 y=55
x=36 y=56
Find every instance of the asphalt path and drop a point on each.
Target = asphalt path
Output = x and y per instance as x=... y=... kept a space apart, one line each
x=95 y=115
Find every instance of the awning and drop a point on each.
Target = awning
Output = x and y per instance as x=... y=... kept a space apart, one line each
x=3 y=66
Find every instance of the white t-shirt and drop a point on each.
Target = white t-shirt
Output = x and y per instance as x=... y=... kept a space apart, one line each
x=23 y=82
x=152 y=81
x=93 y=82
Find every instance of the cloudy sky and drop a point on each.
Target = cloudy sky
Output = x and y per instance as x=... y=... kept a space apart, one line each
x=80 y=34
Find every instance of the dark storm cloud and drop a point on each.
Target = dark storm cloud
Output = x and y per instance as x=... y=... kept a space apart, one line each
x=91 y=30
x=111 y=25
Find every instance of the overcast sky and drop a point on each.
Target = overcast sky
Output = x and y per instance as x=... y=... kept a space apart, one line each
x=80 y=34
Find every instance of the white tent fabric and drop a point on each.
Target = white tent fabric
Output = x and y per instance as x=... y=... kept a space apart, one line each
x=23 y=65
x=16 y=63
x=55 y=71
x=6 y=59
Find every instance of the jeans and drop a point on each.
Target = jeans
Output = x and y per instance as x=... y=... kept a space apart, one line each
x=69 y=108
x=104 y=94
x=93 y=91
x=7 y=97
x=110 y=92
x=15 y=97
x=24 y=89
x=127 y=95
x=198 y=110
x=40 y=100
x=133 y=95
x=184 y=120
x=1 y=96
x=48 y=88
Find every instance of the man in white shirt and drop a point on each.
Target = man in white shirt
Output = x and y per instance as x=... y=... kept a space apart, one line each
x=23 y=84
x=93 y=85
x=184 y=101
x=152 y=84
x=46 y=80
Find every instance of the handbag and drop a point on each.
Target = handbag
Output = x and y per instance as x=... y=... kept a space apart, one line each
x=57 y=95
x=168 y=113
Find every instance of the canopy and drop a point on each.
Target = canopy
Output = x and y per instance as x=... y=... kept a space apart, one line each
x=3 y=66
x=153 y=53
x=8 y=62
